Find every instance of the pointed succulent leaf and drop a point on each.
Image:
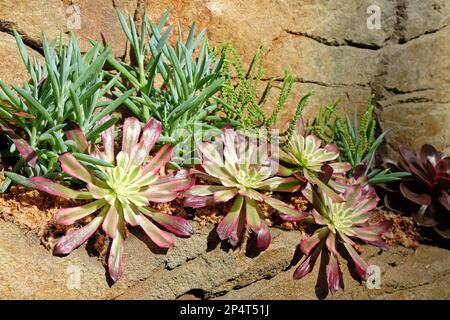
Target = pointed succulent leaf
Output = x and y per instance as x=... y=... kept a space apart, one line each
x=25 y=150
x=131 y=132
x=160 y=159
x=359 y=263
x=311 y=242
x=225 y=195
x=56 y=189
x=263 y=237
x=159 y=237
x=307 y=265
x=74 y=168
x=116 y=255
x=175 y=224
x=150 y=134
x=68 y=216
x=228 y=227
x=334 y=274
x=72 y=240
x=280 y=184
x=108 y=140
x=73 y=132
x=198 y=201
x=177 y=182
x=111 y=221
x=205 y=190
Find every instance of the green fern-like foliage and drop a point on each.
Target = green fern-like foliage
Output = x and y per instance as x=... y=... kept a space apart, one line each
x=240 y=100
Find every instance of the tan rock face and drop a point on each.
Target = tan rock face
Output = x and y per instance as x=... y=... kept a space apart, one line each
x=11 y=65
x=198 y=267
x=31 y=18
x=327 y=45
x=98 y=21
x=414 y=86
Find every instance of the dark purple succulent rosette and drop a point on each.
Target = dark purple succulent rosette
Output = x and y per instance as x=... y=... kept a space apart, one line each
x=428 y=187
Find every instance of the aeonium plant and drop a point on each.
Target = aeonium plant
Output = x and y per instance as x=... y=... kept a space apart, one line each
x=339 y=224
x=304 y=157
x=243 y=170
x=121 y=194
x=427 y=188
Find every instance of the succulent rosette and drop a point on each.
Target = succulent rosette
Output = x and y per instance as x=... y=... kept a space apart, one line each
x=241 y=168
x=340 y=223
x=304 y=157
x=122 y=193
x=427 y=188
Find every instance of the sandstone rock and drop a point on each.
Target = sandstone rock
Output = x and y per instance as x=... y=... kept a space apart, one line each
x=218 y=271
x=404 y=275
x=308 y=60
x=29 y=271
x=417 y=123
x=12 y=69
x=250 y=24
x=31 y=18
x=422 y=17
x=200 y=267
x=98 y=21
x=412 y=67
x=414 y=88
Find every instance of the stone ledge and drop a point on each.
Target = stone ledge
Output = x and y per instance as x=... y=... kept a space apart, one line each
x=200 y=267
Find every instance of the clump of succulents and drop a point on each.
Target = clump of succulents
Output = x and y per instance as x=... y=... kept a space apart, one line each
x=121 y=194
x=190 y=72
x=68 y=87
x=56 y=121
x=427 y=188
x=241 y=169
x=339 y=223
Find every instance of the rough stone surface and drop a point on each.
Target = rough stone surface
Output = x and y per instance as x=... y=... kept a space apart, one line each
x=12 y=67
x=98 y=21
x=202 y=268
x=31 y=18
x=405 y=274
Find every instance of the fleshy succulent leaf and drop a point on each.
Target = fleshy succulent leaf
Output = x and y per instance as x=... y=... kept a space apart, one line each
x=74 y=133
x=56 y=189
x=159 y=237
x=116 y=255
x=175 y=224
x=68 y=216
x=228 y=227
x=334 y=274
x=307 y=265
x=72 y=240
x=74 y=168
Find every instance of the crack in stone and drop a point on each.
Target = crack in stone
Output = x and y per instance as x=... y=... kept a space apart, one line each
x=334 y=43
x=9 y=27
x=317 y=82
x=399 y=91
x=426 y=33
